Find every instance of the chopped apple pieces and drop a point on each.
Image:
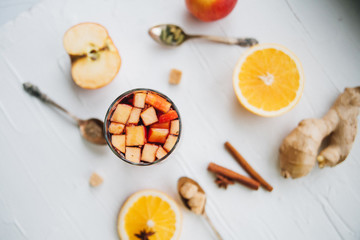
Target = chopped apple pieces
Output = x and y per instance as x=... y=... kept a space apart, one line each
x=143 y=127
x=134 y=116
x=119 y=142
x=160 y=153
x=133 y=154
x=121 y=113
x=158 y=102
x=149 y=152
x=167 y=117
x=135 y=135
x=139 y=100
x=149 y=116
x=175 y=126
x=116 y=128
x=158 y=135
x=170 y=142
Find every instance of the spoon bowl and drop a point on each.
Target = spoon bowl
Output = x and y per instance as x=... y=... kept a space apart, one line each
x=185 y=201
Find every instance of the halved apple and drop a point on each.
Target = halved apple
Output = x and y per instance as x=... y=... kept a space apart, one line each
x=94 y=58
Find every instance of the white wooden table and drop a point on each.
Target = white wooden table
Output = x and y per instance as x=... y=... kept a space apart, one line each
x=45 y=165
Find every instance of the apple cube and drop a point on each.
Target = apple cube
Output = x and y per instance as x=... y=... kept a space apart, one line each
x=149 y=116
x=158 y=135
x=149 y=152
x=139 y=100
x=121 y=113
x=161 y=125
x=158 y=102
x=135 y=135
x=167 y=117
x=160 y=153
x=118 y=141
x=175 y=126
x=116 y=128
x=170 y=142
x=134 y=116
x=133 y=154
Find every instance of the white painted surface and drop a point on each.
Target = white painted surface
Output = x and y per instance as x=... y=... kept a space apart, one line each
x=45 y=165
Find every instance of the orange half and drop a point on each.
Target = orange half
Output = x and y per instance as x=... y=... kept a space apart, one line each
x=268 y=80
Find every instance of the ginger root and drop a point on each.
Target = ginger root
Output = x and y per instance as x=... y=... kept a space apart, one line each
x=299 y=150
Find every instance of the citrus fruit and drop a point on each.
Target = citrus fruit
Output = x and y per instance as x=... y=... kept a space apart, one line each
x=149 y=211
x=268 y=80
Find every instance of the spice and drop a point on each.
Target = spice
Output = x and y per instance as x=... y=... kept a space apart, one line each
x=217 y=169
x=246 y=166
x=144 y=235
x=222 y=181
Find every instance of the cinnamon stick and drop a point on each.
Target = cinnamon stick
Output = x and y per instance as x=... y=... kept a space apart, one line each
x=217 y=169
x=246 y=166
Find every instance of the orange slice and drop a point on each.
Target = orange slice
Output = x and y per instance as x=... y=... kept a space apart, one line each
x=152 y=211
x=268 y=80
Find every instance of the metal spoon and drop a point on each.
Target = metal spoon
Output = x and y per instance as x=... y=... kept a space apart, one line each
x=173 y=35
x=181 y=182
x=90 y=129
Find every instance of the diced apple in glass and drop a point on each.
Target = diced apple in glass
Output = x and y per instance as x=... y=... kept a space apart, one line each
x=133 y=154
x=170 y=142
x=149 y=152
x=167 y=117
x=116 y=128
x=134 y=116
x=118 y=141
x=135 y=135
x=149 y=116
x=175 y=126
x=121 y=113
x=160 y=153
x=158 y=102
x=165 y=125
x=139 y=100
x=158 y=135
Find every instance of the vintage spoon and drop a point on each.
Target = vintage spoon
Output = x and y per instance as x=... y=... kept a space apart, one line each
x=173 y=35
x=181 y=182
x=91 y=129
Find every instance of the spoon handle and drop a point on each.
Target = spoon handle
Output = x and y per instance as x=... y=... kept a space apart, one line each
x=212 y=226
x=35 y=91
x=243 y=42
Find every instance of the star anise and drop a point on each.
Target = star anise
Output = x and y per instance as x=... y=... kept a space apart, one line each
x=144 y=235
x=222 y=181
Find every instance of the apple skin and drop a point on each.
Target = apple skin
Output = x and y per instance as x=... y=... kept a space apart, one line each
x=210 y=10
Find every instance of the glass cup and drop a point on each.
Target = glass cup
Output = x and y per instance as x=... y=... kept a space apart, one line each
x=125 y=98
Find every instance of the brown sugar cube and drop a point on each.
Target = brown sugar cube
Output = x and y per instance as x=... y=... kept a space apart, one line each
x=175 y=76
x=134 y=116
x=160 y=153
x=170 y=142
x=174 y=127
x=121 y=113
x=149 y=152
x=118 y=141
x=116 y=128
x=188 y=190
x=133 y=154
x=135 y=135
x=139 y=100
x=149 y=116
x=95 y=180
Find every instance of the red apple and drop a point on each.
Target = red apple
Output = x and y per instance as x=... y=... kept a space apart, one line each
x=158 y=102
x=210 y=10
x=165 y=125
x=167 y=117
